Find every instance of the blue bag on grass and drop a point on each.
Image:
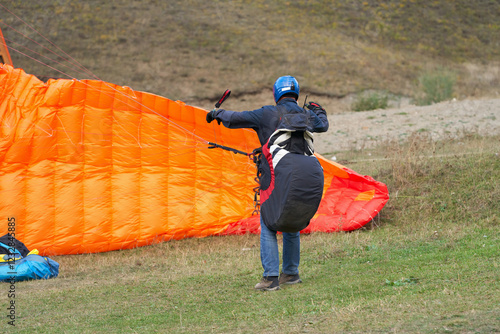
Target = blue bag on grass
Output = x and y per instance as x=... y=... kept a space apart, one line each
x=30 y=267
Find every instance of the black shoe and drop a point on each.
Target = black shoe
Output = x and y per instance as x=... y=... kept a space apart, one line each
x=289 y=279
x=268 y=283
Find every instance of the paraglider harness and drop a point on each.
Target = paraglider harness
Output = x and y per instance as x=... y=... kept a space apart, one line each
x=297 y=139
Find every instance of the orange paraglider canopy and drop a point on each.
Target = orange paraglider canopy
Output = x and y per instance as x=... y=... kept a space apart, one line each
x=88 y=166
x=4 y=51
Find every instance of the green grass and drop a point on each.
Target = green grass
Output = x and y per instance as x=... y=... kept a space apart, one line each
x=429 y=263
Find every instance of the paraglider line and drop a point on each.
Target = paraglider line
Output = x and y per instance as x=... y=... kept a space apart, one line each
x=62 y=124
x=86 y=71
x=168 y=121
x=164 y=118
x=131 y=135
x=39 y=54
x=77 y=63
x=55 y=69
x=50 y=134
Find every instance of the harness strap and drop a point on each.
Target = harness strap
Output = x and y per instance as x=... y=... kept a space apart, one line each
x=227 y=148
x=256 y=157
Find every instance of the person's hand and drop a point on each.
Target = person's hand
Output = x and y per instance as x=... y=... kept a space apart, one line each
x=211 y=116
x=315 y=107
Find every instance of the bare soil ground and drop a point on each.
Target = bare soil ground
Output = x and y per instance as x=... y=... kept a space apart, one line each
x=360 y=130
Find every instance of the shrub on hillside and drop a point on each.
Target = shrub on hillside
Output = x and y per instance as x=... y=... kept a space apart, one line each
x=434 y=87
x=370 y=101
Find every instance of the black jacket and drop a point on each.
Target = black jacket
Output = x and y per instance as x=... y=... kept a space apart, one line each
x=265 y=120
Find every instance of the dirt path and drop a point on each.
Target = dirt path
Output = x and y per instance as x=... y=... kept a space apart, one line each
x=357 y=130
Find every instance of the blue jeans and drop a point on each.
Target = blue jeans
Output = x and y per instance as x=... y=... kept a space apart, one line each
x=269 y=254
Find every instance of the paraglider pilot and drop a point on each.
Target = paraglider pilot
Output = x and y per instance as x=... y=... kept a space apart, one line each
x=291 y=178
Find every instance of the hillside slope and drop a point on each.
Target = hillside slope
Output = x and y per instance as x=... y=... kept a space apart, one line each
x=191 y=50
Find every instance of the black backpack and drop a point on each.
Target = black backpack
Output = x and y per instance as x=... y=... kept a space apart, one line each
x=10 y=243
x=291 y=193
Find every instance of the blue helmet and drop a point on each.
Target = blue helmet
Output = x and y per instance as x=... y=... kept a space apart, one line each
x=285 y=85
